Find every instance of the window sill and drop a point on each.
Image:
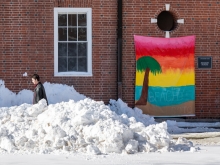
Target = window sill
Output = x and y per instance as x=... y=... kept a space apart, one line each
x=71 y=74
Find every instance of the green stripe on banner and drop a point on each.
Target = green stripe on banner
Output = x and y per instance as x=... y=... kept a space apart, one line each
x=167 y=96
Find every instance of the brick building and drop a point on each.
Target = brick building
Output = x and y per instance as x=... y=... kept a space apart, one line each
x=101 y=64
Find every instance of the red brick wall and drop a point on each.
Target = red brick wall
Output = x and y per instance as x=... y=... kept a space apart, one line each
x=27 y=37
x=27 y=45
x=202 y=19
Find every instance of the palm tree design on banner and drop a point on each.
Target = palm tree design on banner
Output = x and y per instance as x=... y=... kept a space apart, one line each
x=147 y=64
x=165 y=75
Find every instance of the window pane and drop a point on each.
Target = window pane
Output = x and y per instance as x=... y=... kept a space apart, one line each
x=72 y=34
x=62 y=20
x=62 y=64
x=72 y=64
x=82 y=49
x=82 y=20
x=62 y=49
x=72 y=49
x=73 y=55
x=72 y=20
x=62 y=34
x=82 y=34
x=82 y=64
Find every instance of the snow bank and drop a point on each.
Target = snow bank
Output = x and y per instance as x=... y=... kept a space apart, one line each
x=55 y=93
x=85 y=126
x=73 y=123
x=5 y=92
x=59 y=92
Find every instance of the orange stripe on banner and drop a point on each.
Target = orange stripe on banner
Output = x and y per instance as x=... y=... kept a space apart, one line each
x=181 y=63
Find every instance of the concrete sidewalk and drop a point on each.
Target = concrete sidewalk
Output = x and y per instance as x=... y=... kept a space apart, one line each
x=197 y=135
x=184 y=119
x=203 y=139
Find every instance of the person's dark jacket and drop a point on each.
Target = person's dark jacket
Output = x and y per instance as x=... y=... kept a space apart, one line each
x=39 y=93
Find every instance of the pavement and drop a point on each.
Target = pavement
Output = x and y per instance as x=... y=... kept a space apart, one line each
x=184 y=119
x=205 y=138
x=197 y=135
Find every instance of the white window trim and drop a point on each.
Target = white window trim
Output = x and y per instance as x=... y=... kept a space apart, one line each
x=89 y=40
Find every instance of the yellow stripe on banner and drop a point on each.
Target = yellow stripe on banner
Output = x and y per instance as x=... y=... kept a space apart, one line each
x=170 y=78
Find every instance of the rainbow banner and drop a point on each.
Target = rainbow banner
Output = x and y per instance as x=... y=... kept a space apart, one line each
x=165 y=75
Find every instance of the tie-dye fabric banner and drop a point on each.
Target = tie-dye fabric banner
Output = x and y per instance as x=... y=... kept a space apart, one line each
x=165 y=75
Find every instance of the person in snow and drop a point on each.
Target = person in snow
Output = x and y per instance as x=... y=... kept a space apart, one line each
x=39 y=91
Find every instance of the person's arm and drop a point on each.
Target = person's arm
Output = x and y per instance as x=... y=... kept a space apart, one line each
x=44 y=94
x=38 y=94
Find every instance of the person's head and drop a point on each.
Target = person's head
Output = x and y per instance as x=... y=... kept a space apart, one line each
x=35 y=79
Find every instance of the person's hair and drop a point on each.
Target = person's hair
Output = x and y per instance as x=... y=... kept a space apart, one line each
x=36 y=77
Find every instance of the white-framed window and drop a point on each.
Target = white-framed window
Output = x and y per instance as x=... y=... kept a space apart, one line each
x=72 y=42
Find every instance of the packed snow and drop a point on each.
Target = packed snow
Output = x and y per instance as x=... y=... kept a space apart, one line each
x=74 y=123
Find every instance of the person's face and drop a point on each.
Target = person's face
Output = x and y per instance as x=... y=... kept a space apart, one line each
x=34 y=81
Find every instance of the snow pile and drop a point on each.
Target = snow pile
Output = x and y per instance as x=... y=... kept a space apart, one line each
x=85 y=126
x=7 y=97
x=59 y=92
x=73 y=123
x=122 y=109
x=55 y=93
